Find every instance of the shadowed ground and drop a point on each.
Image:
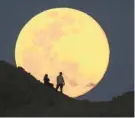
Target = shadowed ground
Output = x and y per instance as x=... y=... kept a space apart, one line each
x=22 y=95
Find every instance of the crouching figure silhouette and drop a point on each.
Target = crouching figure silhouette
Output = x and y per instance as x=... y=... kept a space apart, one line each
x=47 y=81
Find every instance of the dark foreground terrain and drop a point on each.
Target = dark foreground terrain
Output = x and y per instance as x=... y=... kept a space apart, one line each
x=22 y=95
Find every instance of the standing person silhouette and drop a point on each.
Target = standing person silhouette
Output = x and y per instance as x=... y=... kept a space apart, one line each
x=60 y=82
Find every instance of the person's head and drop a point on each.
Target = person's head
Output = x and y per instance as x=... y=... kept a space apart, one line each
x=46 y=75
x=60 y=73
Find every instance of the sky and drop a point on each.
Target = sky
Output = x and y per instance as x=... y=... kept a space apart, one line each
x=116 y=17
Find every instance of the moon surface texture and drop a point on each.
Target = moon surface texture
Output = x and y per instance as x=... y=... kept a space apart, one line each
x=64 y=40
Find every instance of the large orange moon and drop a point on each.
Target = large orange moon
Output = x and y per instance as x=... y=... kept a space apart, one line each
x=67 y=40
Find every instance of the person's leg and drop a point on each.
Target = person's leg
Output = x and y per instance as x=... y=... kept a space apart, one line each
x=61 y=88
x=57 y=86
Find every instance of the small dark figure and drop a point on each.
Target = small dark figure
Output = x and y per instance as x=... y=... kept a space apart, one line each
x=47 y=81
x=60 y=82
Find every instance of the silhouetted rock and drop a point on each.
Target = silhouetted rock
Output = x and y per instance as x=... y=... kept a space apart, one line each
x=22 y=95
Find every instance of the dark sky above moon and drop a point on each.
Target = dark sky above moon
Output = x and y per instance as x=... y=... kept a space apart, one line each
x=115 y=17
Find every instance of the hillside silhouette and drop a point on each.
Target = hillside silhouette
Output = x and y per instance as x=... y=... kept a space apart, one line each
x=22 y=95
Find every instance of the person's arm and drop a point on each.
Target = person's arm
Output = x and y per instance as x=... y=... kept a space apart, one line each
x=48 y=79
x=63 y=81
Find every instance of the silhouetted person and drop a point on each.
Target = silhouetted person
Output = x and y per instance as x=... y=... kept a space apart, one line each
x=60 y=82
x=47 y=81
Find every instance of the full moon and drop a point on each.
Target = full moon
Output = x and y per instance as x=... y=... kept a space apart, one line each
x=64 y=40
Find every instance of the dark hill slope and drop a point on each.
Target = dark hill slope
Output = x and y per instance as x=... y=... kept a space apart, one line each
x=22 y=95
